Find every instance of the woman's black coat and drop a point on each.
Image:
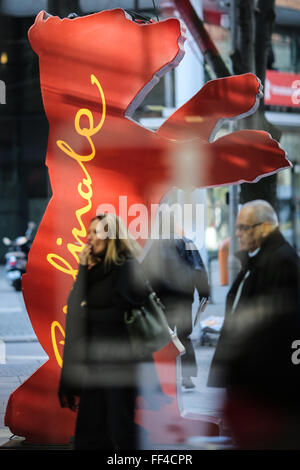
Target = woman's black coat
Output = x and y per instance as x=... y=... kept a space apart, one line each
x=97 y=347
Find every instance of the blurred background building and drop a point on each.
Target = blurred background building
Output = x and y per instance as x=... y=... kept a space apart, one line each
x=283 y=70
x=24 y=185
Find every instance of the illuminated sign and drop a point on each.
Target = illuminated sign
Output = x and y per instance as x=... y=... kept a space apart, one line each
x=282 y=89
x=94 y=72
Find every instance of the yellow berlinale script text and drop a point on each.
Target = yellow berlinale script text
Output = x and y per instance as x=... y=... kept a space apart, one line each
x=85 y=191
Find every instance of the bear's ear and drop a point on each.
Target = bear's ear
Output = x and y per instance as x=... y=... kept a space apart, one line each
x=154 y=49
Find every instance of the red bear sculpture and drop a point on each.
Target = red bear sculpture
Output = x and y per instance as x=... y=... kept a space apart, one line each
x=94 y=72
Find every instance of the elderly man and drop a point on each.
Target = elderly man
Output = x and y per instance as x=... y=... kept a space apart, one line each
x=253 y=356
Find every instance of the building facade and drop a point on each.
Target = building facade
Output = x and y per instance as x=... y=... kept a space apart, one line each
x=24 y=185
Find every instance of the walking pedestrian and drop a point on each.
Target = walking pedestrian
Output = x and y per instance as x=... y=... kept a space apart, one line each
x=175 y=269
x=99 y=373
x=253 y=356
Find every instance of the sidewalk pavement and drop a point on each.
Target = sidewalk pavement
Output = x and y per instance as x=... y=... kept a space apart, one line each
x=23 y=354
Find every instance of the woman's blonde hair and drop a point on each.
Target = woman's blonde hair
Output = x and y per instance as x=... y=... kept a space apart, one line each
x=120 y=243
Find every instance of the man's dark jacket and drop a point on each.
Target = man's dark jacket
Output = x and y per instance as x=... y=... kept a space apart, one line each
x=255 y=346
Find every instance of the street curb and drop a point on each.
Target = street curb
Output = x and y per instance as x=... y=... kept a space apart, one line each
x=19 y=339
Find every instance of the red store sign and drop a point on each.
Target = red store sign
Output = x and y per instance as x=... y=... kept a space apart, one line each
x=282 y=89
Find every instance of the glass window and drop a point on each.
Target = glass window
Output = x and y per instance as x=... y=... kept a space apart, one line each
x=96 y=5
x=286 y=50
x=282 y=52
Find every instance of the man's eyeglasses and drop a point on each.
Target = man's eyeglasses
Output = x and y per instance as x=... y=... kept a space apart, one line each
x=245 y=228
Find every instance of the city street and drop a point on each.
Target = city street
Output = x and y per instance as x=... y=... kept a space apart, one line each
x=164 y=119
x=20 y=351
x=21 y=354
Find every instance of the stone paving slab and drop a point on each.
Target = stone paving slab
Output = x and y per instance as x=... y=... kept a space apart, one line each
x=15 y=325
x=16 y=370
x=14 y=321
x=5 y=435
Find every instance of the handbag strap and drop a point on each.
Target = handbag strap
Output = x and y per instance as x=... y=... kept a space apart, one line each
x=148 y=286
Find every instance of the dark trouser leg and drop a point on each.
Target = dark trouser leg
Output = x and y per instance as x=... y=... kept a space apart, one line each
x=180 y=315
x=188 y=360
x=120 y=411
x=106 y=420
x=92 y=430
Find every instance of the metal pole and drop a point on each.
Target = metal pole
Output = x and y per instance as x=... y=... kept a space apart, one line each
x=233 y=264
x=294 y=209
x=168 y=90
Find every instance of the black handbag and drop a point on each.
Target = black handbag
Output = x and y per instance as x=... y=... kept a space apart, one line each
x=147 y=326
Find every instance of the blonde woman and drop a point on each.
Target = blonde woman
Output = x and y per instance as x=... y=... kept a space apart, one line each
x=98 y=364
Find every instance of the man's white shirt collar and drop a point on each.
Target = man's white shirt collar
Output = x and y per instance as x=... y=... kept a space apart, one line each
x=253 y=253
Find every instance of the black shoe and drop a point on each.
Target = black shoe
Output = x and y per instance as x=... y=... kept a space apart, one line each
x=188 y=383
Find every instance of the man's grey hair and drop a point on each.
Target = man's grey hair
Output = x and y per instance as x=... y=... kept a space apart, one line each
x=264 y=212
